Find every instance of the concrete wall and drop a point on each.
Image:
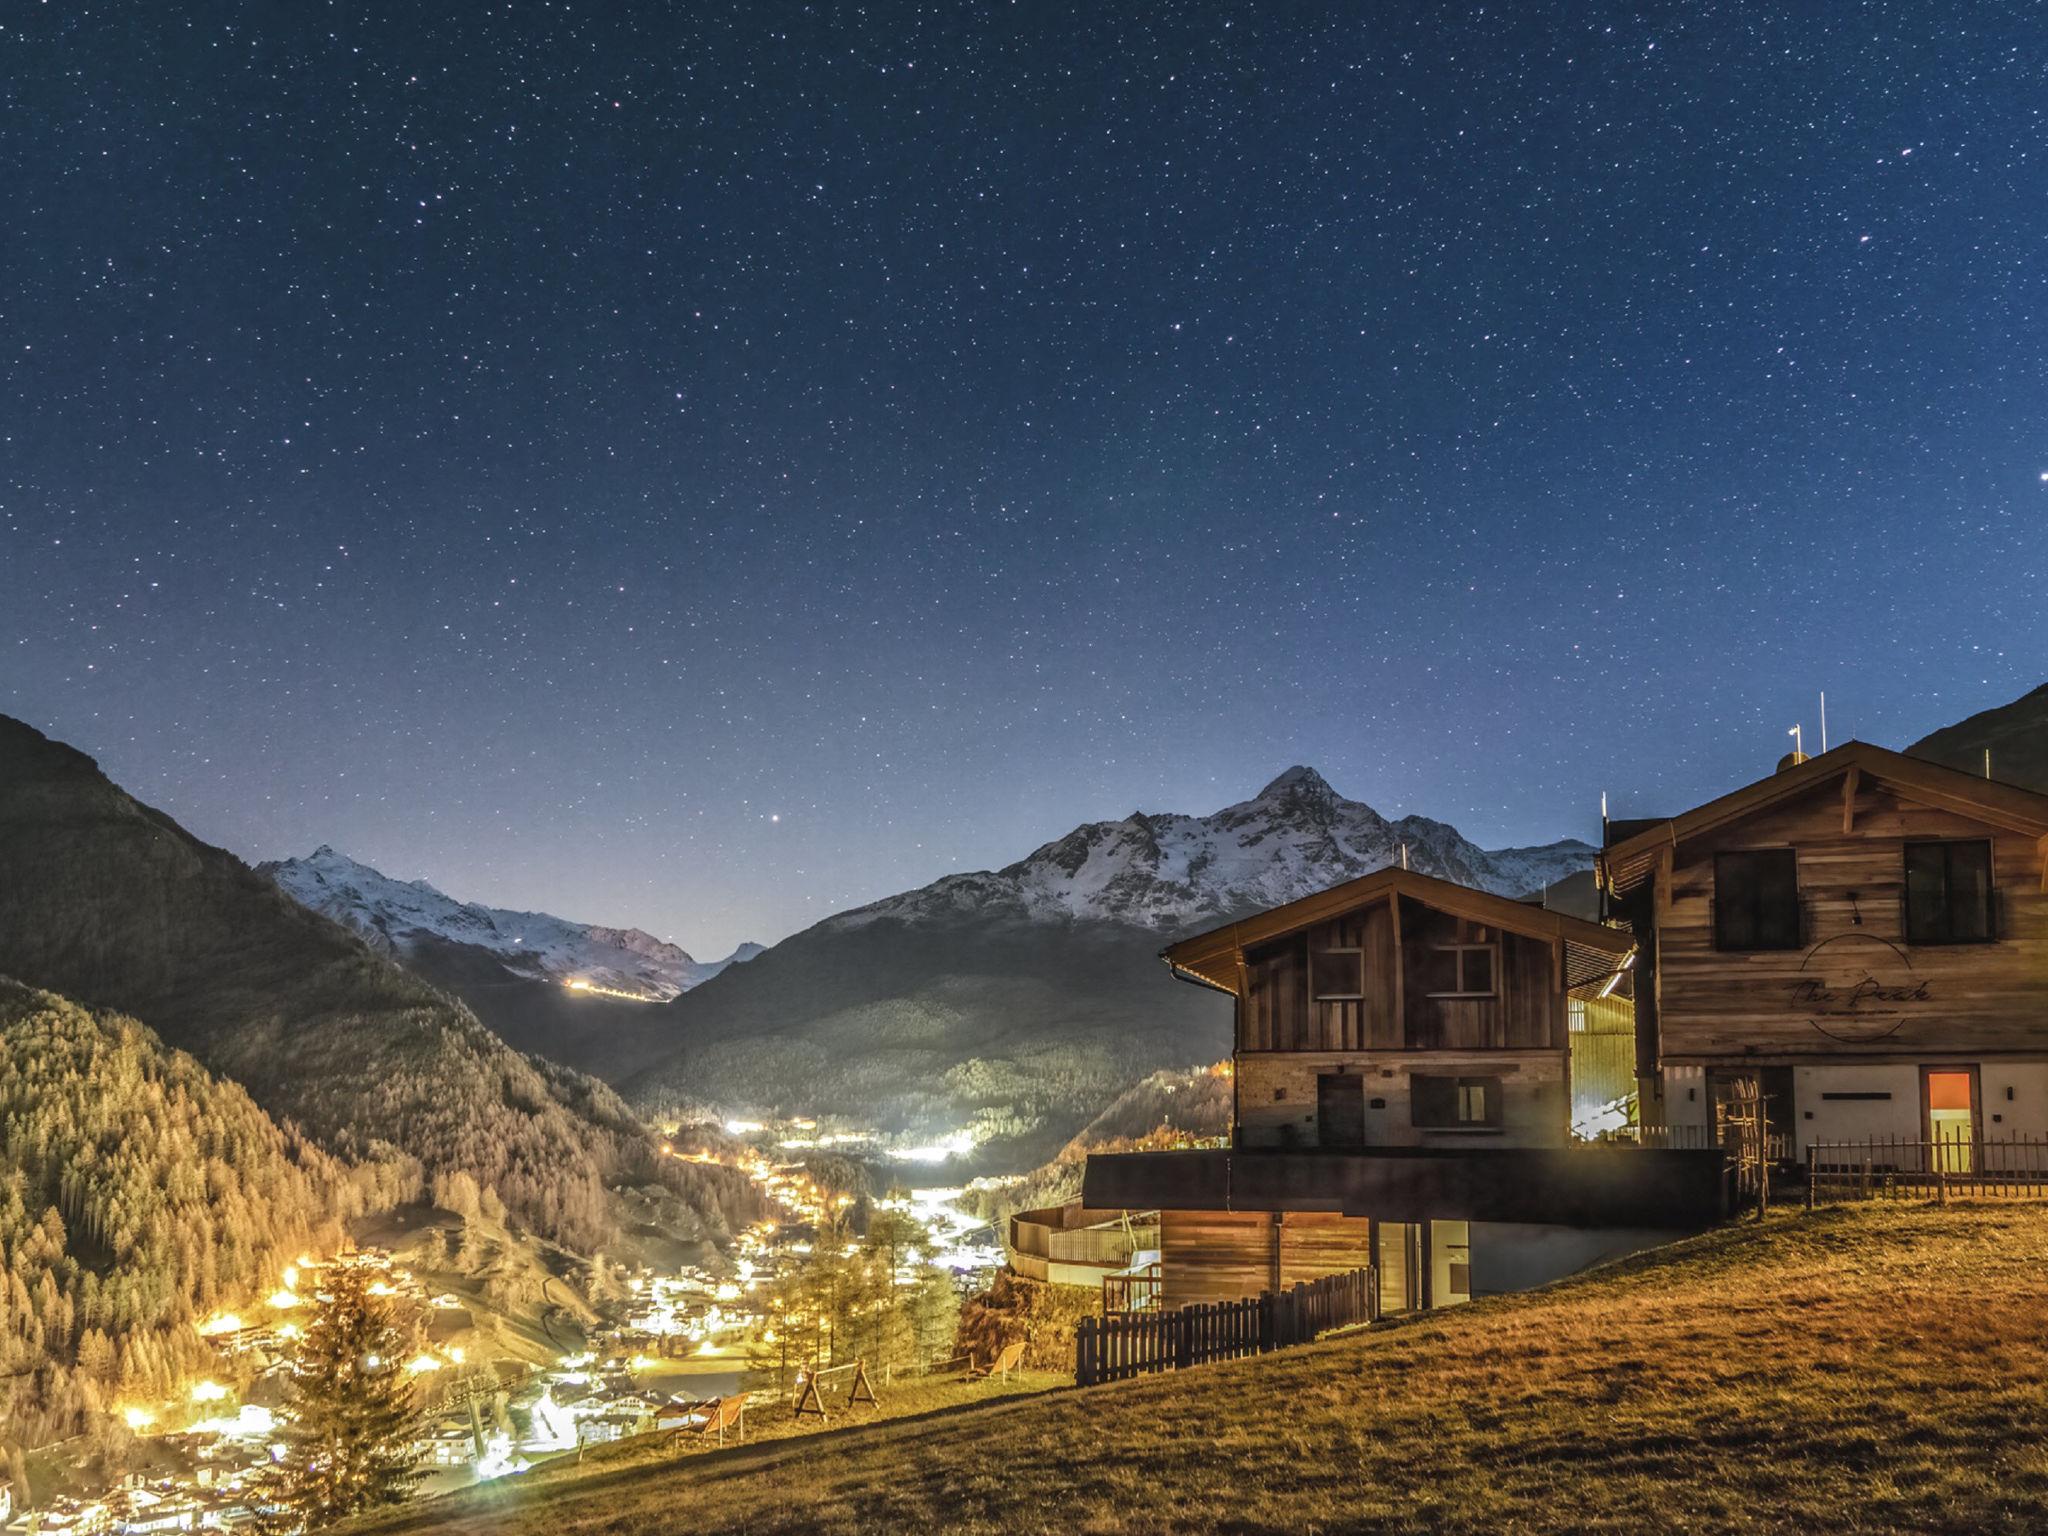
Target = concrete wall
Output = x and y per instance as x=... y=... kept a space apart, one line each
x=1512 y=1256
x=1276 y=1096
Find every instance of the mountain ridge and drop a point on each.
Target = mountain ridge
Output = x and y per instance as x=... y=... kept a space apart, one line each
x=1017 y=1001
x=394 y=915
x=111 y=903
x=1166 y=870
x=2015 y=734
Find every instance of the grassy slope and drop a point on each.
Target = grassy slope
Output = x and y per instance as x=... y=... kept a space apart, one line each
x=1861 y=1369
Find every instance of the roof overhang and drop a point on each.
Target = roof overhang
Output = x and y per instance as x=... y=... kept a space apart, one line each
x=1592 y=952
x=1631 y=861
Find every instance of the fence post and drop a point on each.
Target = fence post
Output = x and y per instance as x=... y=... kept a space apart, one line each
x=1265 y=1322
x=1183 y=1341
x=1941 y=1186
x=1812 y=1174
x=1084 y=1353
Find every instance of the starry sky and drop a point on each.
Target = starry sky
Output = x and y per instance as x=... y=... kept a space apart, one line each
x=704 y=466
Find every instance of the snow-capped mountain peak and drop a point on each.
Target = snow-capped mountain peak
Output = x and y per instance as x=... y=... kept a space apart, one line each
x=1175 y=872
x=396 y=914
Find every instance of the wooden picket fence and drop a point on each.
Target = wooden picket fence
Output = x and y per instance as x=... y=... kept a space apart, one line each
x=1120 y=1345
x=1943 y=1168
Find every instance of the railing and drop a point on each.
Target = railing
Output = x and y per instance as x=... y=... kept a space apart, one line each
x=1122 y=1345
x=1136 y=1290
x=1690 y=1138
x=1939 y=1168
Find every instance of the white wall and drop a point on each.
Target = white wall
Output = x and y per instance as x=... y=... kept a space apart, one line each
x=2024 y=1114
x=1686 y=1100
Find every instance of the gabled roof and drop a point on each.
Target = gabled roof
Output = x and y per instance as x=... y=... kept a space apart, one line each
x=1629 y=862
x=1592 y=950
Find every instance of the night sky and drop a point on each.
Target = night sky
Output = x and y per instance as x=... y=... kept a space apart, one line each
x=705 y=465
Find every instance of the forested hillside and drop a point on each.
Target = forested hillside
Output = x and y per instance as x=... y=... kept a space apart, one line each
x=111 y=902
x=139 y=1195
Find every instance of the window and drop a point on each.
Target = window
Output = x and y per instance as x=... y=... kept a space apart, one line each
x=1756 y=899
x=1459 y=970
x=1948 y=893
x=1337 y=974
x=1454 y=1103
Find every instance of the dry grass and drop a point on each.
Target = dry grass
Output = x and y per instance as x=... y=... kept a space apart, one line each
x=1873 y=1369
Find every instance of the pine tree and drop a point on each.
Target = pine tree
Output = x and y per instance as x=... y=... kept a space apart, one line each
x=348 y=1445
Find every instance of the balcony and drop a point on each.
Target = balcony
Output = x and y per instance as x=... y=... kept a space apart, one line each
x=1587 y=1185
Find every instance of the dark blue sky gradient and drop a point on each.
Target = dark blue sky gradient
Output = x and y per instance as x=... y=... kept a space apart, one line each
x=532 y=446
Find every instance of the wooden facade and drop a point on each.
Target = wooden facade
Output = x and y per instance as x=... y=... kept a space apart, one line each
x=1398 y=1010
x=1846 y=988
x=1212 y=1255
x=1854 y=985
x=1401 y=1010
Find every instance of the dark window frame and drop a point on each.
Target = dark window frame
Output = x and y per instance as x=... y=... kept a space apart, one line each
x=1754 y=908
x=1315 y=992
x=1460 y=949
x=1944 y=933
x=1491 y=1084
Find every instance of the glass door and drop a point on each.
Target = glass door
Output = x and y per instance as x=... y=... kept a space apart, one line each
x=1950 y=1105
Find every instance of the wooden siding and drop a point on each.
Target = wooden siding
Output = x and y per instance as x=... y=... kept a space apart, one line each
x=1396 y=1011
x=1963 y=999
x=1222 y=1255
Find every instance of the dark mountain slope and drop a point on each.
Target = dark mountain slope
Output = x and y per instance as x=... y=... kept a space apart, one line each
x=2016 y=735
x=1022 y=1030
x=111 y=902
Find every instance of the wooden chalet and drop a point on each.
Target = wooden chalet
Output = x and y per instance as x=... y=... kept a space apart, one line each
x=1864 y=933
x=1403 y=1079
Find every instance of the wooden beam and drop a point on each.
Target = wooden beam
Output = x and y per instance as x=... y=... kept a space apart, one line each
x=2042 y=847
x=1850 y=781
x=1667 y=865
x=1559 y=1024
x=1400 y=971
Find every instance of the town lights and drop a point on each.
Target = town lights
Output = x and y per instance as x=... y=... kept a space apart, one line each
x=138 y=1419
x=208 y=1392
x=219 y=1323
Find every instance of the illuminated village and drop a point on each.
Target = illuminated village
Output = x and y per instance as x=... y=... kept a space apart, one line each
x=664 y=1348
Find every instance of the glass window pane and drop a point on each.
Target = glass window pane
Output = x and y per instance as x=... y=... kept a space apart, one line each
x=1969 y=892
x=1926 y=894
x=1778 y=899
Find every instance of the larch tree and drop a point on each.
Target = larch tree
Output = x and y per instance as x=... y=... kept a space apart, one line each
x=349 y=1440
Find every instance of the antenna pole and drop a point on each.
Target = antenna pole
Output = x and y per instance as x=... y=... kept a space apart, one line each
x=1987 y=762
x=1823 y=720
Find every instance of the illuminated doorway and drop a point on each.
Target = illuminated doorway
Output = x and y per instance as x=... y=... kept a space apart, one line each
x=1450 y=1259
x=1397 y=1250
x=1949 y=1104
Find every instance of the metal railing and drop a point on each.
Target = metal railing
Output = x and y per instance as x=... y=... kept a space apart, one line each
x=1937 y=1168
